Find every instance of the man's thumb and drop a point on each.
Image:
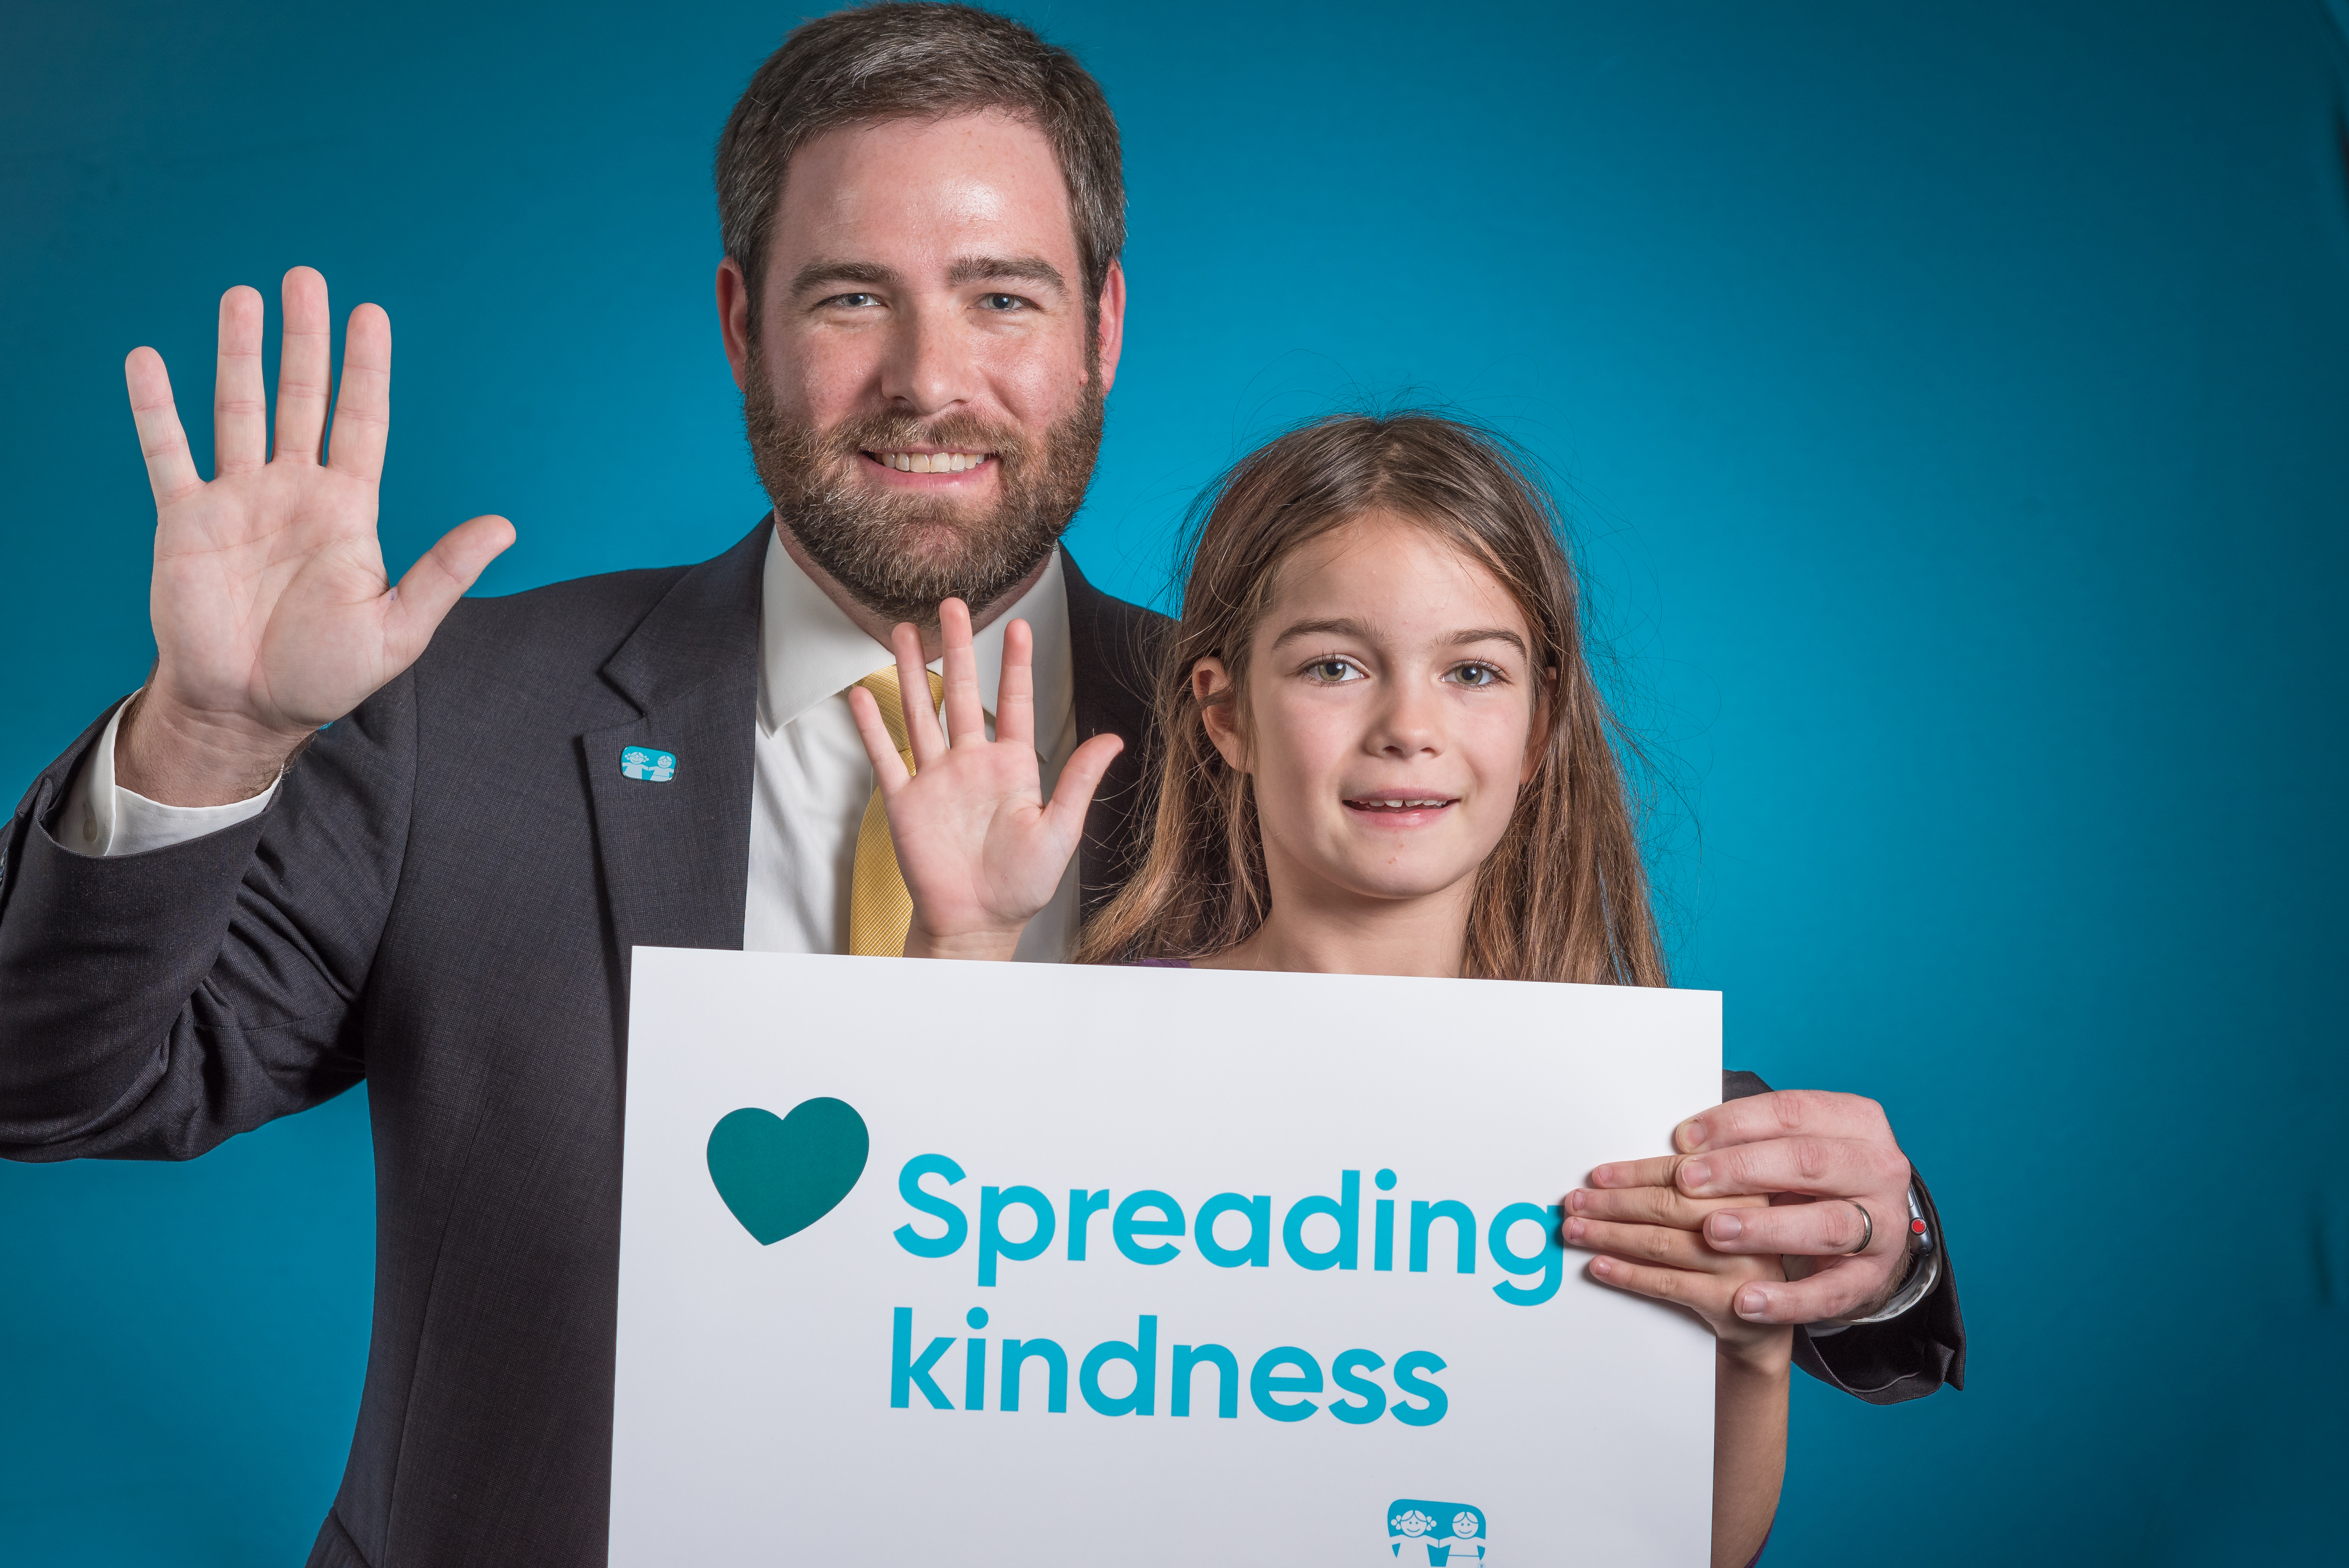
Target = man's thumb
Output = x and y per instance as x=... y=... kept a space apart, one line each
x=439 y=579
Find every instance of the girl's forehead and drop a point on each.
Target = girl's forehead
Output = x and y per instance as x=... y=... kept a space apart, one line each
x=1390 y=573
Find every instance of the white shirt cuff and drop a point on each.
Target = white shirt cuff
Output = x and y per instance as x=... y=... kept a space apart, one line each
x=102 y=819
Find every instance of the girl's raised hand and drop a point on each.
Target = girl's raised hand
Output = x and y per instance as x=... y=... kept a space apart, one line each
x=980 y=849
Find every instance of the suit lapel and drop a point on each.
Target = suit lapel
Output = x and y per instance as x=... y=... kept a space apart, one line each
x=675 y=853
x=1114 y=647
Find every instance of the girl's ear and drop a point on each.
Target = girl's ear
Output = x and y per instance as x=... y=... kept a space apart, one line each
x=1212 y=689
x=1538 y=738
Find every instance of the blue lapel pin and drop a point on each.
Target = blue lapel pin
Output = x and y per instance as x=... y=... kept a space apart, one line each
x=646 y=766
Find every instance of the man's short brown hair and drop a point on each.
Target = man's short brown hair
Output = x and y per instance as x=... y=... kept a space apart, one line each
x=879 y=63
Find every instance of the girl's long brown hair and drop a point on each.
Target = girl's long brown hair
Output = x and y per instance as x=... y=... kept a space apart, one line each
x=1563 y=896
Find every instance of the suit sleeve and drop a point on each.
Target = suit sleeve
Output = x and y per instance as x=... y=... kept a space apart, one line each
x=1886 y=1363
x=154 y=1003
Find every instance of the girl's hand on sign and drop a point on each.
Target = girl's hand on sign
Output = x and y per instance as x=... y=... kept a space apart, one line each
x=1650 y=1242
x=980 y=849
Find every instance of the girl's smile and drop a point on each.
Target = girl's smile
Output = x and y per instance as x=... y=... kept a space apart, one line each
x=1402 y=812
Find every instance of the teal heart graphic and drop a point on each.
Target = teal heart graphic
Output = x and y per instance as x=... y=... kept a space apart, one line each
x=780 y=1174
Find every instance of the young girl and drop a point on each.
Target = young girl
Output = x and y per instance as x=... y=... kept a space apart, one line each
x=1381 y=753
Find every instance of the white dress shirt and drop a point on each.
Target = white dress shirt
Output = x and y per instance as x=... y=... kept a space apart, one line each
x=809 y=780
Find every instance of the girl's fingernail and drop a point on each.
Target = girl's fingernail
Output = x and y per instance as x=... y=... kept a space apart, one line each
x=1601 y=1266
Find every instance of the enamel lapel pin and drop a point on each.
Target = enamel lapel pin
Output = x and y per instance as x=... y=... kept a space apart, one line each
x=646 y=766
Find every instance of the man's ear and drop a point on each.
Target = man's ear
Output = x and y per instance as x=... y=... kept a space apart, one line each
x=1538 y=739
x=1112 y=324
x=1211 y=688
x=734 y=320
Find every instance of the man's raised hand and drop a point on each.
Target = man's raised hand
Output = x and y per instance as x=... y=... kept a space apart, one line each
x=1818 y=1156
x=980 y=849
x=273 y=611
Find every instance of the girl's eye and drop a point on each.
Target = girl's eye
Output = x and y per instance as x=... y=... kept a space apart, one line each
x=1475 y=675
x=1333 y=672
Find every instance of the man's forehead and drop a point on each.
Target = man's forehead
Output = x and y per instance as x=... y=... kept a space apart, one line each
x=927 y=194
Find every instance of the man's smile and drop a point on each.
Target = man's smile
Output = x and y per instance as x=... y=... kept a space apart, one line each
x=908 y=460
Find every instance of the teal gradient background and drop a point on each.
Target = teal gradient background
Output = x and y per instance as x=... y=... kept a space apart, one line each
x=1955 y=402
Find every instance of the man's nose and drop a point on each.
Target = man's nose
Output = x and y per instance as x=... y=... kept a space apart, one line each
x=928 y=370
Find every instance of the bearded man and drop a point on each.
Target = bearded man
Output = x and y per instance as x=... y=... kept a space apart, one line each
x=495 y=801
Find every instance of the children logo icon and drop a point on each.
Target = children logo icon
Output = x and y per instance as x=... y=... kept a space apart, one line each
x=648 y=766
x=1436 y=1534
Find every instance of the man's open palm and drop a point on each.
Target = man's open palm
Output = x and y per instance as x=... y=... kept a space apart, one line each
x=273 y=611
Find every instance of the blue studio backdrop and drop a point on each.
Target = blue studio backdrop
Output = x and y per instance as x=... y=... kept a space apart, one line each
x=1953 y=399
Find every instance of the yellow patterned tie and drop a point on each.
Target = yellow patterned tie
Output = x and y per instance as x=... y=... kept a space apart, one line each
x=879 y=907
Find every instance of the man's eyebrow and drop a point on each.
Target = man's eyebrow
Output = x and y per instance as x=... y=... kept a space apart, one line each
x=1021 y=269
x=824 y=272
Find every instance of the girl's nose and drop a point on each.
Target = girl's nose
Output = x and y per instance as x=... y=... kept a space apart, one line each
x=1406 y=726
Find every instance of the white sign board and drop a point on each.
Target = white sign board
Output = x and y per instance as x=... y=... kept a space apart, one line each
x=939 y=1264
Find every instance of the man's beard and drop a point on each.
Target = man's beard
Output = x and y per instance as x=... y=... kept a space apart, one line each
x=899 y=554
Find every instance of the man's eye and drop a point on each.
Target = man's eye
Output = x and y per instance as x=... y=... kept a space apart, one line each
x=1000 y=301
x=1475 y=675
x=1331 y=672
x=852 y=301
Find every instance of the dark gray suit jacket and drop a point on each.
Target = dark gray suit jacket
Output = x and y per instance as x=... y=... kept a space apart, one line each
x=441 y=900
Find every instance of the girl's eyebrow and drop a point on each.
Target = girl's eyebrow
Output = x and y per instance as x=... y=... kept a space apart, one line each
x=1339 y=626
x=1344 y=627
x=1489 y=634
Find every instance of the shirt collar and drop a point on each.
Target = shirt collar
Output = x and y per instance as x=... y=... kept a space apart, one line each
x=809 y=650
